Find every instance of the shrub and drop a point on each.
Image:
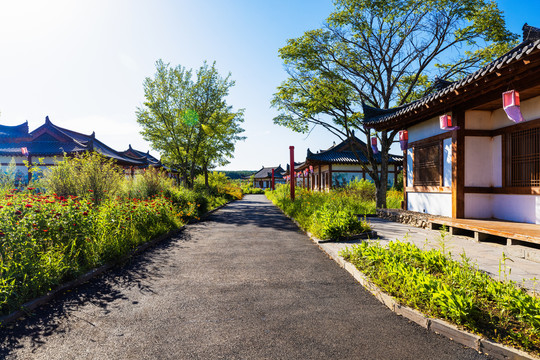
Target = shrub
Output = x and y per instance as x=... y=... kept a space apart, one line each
x=88 y=175
x=150 y=183
x=331 y=223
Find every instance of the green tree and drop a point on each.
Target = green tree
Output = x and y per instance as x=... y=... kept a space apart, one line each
x=187 y=118
x=386 y=54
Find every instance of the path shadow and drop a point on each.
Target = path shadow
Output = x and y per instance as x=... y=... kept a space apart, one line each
x=136 y=272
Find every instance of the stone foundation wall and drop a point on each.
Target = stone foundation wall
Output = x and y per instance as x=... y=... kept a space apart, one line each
x=405 y=217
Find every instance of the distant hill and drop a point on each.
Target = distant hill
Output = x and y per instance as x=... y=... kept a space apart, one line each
x=233 y=175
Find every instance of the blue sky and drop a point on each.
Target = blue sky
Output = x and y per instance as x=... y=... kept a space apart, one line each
x=83 y=63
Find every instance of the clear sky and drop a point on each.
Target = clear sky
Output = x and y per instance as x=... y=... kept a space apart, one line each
x=83 y=63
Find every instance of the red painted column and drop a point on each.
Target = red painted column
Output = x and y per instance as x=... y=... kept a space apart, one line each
x=273 y=181
x=293 y=177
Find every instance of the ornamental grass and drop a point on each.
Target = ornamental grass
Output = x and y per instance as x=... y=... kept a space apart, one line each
x=457 y=291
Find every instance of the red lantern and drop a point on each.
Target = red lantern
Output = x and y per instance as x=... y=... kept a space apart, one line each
x=446 y=122
x=374 y=145
x=511 y=105
x=403 y=139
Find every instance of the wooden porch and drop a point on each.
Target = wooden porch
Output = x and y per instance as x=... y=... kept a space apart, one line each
x=498 y=231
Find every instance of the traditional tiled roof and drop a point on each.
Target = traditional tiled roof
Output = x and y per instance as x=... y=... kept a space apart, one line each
x=13 y=133
x=144 y=157
x=50 y=139
x=266 y=172
x=343 y=154
x=530 y=44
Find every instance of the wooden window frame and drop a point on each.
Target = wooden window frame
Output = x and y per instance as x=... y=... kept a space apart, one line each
x=513 y=142
x=434 y=184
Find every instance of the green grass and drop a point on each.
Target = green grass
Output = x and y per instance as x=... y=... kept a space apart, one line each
x=457 y=291
x=334 y=214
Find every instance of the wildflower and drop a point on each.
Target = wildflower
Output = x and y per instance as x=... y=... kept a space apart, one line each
x=85 y=213
x=45 y=230
x=90 y=190
x=18 y=212
x=28 y=205
x=31 y=188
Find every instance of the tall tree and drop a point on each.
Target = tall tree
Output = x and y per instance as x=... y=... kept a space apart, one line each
x=187 y=118
x=386 y=54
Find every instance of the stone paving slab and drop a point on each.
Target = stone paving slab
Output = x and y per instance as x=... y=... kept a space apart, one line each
x=488 y=256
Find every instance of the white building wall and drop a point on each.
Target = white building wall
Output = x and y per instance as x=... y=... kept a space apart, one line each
x=425 y=129
x=519 y=208
x=431 y=203
x=479 y=161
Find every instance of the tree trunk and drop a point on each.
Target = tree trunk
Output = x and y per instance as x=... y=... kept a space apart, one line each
x=205 y=169
x=383 y=183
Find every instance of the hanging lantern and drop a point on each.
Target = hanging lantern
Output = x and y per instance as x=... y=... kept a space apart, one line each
x=374 y=145
x=403 y=139
x=511 y=105
x=446 y=122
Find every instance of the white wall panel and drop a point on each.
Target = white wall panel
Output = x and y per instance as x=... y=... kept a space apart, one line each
x=430 y=203
x=425 y=129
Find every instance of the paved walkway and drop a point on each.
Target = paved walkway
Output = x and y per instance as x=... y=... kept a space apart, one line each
x=488 y=256
x=244 y=284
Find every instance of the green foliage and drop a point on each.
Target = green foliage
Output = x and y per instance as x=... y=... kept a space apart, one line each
x=220 y=189
x=386 y=54
x=434 y=283
x=187 y=118
x=327 y=215
x=150 y=183
x=89 y=175
x=331 y=223
x=8 y=176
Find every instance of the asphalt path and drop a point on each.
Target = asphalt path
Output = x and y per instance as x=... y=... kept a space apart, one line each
x=244 y=284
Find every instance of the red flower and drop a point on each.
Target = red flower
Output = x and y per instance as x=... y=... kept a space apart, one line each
x=18 y=212
x=85 y=213
x=31 y=188
x=90 y=190
x=45 y=230
x=28 y=205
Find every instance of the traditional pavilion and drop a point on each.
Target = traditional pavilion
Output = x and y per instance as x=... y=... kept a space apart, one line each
x=50 y=142
x=339 y=165
x=263 y=178
x=472 y=148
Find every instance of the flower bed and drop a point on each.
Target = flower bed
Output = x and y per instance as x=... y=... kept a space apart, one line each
x=47 y=239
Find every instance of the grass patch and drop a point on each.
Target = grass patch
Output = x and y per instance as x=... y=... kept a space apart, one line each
x=331 y=215
x=432 y=282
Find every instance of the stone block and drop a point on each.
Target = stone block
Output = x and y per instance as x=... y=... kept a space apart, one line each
x=454 y=333
x=532 y=255
x=499 y=351
x=386 y=299
x=413 y=315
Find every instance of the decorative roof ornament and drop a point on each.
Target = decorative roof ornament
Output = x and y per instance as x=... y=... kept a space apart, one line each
x=439 y=84
x=530 y=33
